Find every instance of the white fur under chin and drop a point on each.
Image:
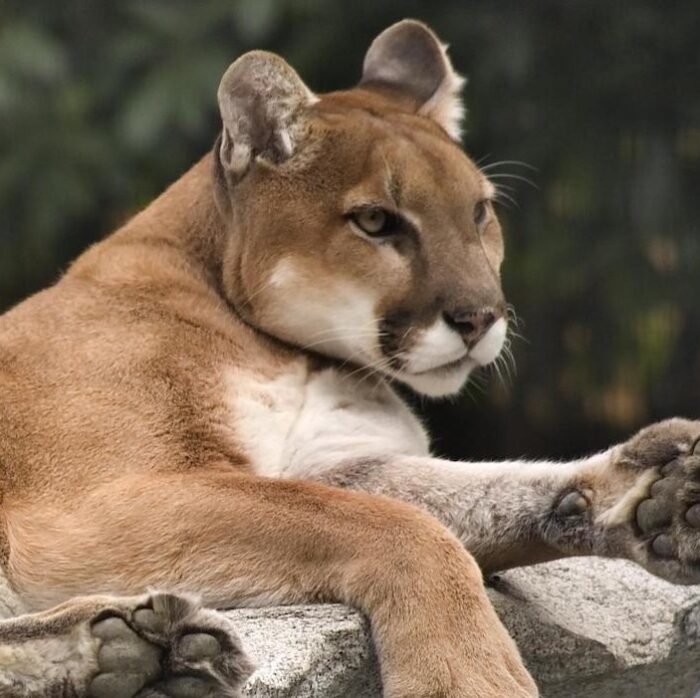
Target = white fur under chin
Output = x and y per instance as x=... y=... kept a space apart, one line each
x=341 y=322
x=439 y=382
x=434 y=381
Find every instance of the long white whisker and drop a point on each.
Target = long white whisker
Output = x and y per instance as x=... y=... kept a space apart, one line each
x=340 y=338
x=500 y=186
x=498 y=163
x=372 y=369
x=476 y=383
x=513 y=315
x=260 y=288
x=501 y=195
x=507 y=175
x=509 y=363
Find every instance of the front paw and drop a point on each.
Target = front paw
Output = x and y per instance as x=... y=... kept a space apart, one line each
x=659 y=444
x=657 y=521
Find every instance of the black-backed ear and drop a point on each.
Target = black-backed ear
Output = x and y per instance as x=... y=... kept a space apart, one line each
x=261 y=100
x=409 y=58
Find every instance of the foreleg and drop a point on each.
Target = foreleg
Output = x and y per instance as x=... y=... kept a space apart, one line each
x=639 y=500
x=241 y=540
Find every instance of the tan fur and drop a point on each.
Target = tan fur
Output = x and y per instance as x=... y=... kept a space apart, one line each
x=120 y=462
x=243 y=329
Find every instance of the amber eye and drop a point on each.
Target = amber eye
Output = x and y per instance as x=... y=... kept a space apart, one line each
x=376 y=221
x=481 y=211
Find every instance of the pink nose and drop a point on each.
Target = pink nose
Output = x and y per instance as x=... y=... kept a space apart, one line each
x=472 y=324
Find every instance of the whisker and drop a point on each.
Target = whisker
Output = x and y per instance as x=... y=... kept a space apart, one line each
x=520 y=337
x=509 y=175
x=514 y=333
x=476 y=383
x=502 y=196
x=259 y=289
x=373 y=369
x=501 y=369
x=503 y=186
x=496 y=368
x=509 y=362
x=481 y=159
x=513 y=315
x=339 y=338
x=343 y=328
x=519 y=163
x=405 y=334
x=343 y=334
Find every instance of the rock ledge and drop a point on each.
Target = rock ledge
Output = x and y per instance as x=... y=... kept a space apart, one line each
x=586 y=628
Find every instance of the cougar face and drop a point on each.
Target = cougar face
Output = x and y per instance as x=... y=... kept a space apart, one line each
x=358 y=227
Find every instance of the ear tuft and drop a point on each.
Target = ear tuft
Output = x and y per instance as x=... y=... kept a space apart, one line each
x=261 y=100
x=409 y=58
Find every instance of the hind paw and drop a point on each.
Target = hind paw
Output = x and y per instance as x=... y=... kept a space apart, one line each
x=166 y=646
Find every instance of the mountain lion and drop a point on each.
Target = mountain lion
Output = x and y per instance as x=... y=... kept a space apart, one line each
x=203 y=405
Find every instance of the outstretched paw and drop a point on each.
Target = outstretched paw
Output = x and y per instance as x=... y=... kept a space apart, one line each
x=668 y=520
x=166 y=646
x=657 y=521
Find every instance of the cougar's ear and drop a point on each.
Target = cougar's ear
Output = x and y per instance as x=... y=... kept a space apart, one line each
x=261 y=100
x=410 y=59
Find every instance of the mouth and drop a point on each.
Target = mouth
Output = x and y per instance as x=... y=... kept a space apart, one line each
x=439 y=362
x=453 y=365
x=440 y=380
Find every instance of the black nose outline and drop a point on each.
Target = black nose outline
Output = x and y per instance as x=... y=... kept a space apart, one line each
x=472 y=323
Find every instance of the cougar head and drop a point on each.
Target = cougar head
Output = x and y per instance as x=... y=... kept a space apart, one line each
x=357 y=226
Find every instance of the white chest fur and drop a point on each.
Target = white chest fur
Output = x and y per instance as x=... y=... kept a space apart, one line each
x=301 y=422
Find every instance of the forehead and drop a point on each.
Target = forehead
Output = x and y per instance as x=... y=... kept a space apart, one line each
x=407 y=154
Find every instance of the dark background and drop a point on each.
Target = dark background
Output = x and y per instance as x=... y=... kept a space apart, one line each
x=103 y=103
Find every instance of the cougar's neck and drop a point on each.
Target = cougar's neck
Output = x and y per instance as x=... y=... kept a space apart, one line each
x=183 y=224
x=186 y=216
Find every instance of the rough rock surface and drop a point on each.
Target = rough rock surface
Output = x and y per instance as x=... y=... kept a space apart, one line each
x=586 y=628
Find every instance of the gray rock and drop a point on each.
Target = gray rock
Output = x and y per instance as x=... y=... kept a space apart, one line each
x=603 y=628
x=309 y=651
x=586 y=628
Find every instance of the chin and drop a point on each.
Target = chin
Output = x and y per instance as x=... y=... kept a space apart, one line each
x=440 y=382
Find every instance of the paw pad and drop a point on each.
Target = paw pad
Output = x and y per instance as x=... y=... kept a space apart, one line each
x=198 y=646
x=167 y=648
x=668 y=521
x=692 y=516
x=572 y=504
x=663 y=546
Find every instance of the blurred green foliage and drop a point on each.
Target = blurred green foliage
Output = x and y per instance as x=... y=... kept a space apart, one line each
x=103 y=103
